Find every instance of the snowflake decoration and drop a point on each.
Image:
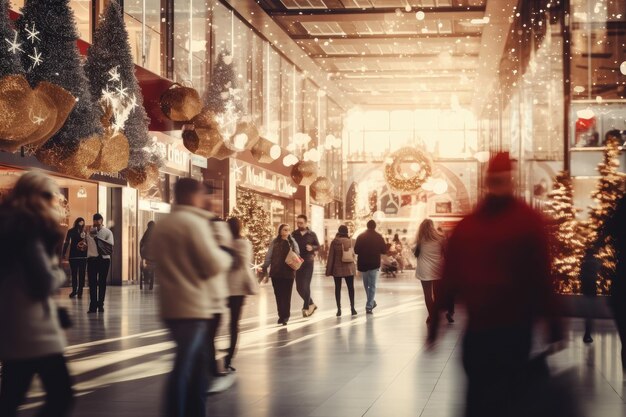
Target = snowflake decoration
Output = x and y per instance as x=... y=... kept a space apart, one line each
x=35 y=119
x=114 y=74
x=107 y=95
x=36 y=57
x=32 y=34
x=122 y=91
x=14 y=45
x=235 y=93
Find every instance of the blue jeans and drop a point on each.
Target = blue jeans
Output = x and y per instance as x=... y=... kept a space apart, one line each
x=369 y=282
x=188 y=381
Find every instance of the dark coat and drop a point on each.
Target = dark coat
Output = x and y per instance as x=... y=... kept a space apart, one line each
x=308 y=238
x=72 y=239
x=278 y=268
x=369 y=246
x=335 y=266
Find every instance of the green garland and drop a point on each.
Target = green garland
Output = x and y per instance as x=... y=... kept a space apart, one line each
x=404 y=155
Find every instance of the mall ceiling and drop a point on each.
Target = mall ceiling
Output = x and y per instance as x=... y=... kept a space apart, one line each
x=415 y=53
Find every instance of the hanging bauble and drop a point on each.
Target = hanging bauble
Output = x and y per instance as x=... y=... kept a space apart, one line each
x=143 y=178
x=224 y=151
x=180 y=103
x=251 y=136
x=262 y=150
x=31 y=117
x=322 y=190
x=407 y=182
x=582 y=125
x=304 y=173
x=114 y=153
x=76 y=162
x=202 y=136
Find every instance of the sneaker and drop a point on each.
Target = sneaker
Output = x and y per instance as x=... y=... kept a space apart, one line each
x=587 y=338
x=368 y=311
x=100 y=309
x=221 y=383
x=375 y=305
x=73 y=294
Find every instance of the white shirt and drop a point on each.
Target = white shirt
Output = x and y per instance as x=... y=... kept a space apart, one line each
x=92 y=249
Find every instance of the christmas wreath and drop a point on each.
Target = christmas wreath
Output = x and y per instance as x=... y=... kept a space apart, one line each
x=403 y=182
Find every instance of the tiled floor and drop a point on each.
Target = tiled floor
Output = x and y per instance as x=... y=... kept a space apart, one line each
x=323 y=366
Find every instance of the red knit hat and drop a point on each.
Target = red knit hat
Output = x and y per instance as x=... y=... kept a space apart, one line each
x=500 y=162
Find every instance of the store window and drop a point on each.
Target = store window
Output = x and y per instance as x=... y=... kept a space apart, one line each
x=272 y=94
x=82 y=14
x=143 y=22
x=191 y=36
x=257 y=76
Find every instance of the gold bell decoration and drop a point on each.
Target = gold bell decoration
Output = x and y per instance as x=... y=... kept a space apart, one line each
x=322 y=190
x=78 y=162
x=143 y=178
x=31 y=117
x=202 y=136
x=261 y=151
x=115 y=149
x=246 y=136
x=180 y=103
x=304 y=173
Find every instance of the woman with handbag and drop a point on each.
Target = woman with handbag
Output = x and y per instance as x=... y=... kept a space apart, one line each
x=283 y=259
x=75 y=241
x=429 y=254
x=31 y=335
x=341 y=265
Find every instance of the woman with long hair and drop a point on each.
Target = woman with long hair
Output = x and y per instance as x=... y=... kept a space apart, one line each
x=75 y=241
x=282 y=274
x=31 y=338
x=339 y=268
x=429 y=253
x=241 y=282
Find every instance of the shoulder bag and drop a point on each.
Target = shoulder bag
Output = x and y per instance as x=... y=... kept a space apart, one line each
x=293 y=259
x=347 y=256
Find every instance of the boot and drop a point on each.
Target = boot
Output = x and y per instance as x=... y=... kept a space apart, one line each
x=338 y=311
x=353 y=311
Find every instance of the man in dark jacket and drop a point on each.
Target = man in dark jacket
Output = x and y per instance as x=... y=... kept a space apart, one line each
x=308 y=244
x=498 y=262
x=369 y=247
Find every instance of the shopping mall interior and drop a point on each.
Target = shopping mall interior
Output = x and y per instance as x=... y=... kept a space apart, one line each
x=344 y=111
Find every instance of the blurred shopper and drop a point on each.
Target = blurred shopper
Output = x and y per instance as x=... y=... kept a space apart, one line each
x=429 y=253
x=398 y=250
x=99 y=248
x=589 y=269
x=241 y=282
x=369 y=247
x=75 y=241
x=498 y=262
x=31 y=339
x=282 y=274
x=147 y=261
x=341 y=265
x=308 y=244
x=615 y=227
x=388 y=263
x=189 y=259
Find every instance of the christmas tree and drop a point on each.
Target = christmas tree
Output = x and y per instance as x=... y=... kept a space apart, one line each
x=256 y=222
x=12 y=45
x=111 y=71
x=50 y=54
x=567 y=243
x=222 y=85
x=609 y=190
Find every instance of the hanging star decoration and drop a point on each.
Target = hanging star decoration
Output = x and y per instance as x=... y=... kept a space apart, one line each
x=114 y=74
x=115 y=96
x=36 y=58
x=32 y=34
x=122 y=91
x=14 y=45
x=238 y=170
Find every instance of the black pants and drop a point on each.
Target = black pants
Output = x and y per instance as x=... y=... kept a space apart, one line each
x=78 y=267
x=496 y=363
x=147 y=276
x=432 y=290
x=235 y=304
x=98 y=271
x=619 y=314
x=282 y=291
x=349 y=284
x=213 y=326
x=304 y=275
x=16 y=379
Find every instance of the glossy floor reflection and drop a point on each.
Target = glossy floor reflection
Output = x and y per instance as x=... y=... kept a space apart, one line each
x=323 y=366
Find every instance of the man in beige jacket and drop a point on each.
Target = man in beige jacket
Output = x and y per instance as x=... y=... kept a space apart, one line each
x=188 y=259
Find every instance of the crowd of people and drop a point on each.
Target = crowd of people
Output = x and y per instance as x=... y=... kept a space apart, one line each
x=496 y=262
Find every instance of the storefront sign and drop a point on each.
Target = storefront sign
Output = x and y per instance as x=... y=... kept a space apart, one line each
x=174 y=154
x=258 y=179
x=109 y=177
x=199 y=161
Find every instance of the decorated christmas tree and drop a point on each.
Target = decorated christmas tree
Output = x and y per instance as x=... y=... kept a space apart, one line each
x=50 y=54
x=222 y=85
x=12 y=44
x=256 y=222
x=567 y=243
x=609 y=190
x=111 y=71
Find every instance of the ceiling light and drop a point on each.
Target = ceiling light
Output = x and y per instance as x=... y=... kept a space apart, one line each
x=420 y=15
x=483 y=21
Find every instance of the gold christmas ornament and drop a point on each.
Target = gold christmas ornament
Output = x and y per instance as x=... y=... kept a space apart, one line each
x=77 y=163
x=202 y=136
x=248 y=129
x=114 y=153
x=322 y=190
x=224 y=151
x=180 y=103
x=261 y=151
x=304 y=173
x=405 y=183
x=143 y=178
x=62 y=101
x=16 y=99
